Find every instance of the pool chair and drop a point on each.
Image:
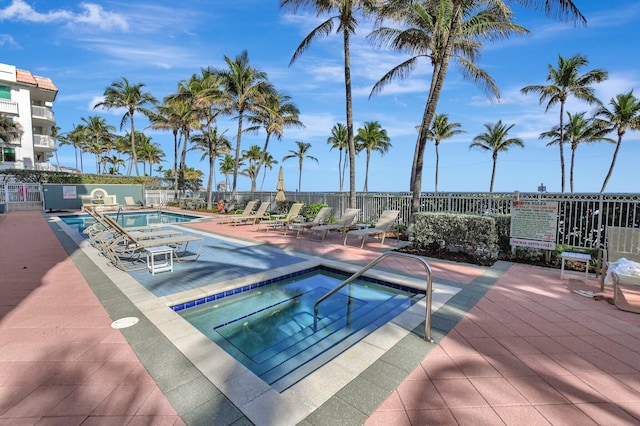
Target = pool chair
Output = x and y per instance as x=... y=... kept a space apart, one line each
x=245 y=214
x=386 y=221
x=254 y=217
x=320 y=219
x=129 y=203
x=622 y=263
x=343 y=225
x=280 y=221
x=129 y=251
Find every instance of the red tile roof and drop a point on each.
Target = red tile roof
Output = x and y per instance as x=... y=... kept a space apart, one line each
x=24 y=76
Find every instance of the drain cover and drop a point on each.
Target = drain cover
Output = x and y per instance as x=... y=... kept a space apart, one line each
x=124 y=322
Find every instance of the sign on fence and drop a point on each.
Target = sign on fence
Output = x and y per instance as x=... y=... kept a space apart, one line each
x=534 y=224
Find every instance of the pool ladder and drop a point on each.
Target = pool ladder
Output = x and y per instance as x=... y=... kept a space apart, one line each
x=429 y=288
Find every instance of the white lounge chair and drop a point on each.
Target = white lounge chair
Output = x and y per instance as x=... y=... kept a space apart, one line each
x=129 y=203
x=343 y=225
x=245 y=214
x=283 y=220
x=320 y=219
x=386 y=221
x=253 y=217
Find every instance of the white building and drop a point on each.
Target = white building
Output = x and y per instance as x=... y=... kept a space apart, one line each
x=28 y=100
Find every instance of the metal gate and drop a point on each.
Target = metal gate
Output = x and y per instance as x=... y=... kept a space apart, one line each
x=22 y=196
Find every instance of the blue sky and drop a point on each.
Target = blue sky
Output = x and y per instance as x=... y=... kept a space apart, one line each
x=85 y=46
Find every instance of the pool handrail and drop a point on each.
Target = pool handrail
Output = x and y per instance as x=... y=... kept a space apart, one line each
x=429 y=288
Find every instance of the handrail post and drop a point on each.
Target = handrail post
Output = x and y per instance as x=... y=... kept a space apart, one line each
x=429 y=288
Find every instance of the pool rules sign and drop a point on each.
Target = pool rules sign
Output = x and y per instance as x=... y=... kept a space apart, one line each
x=534 y=224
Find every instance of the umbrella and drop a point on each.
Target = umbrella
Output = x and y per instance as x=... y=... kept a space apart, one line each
x=280 y=186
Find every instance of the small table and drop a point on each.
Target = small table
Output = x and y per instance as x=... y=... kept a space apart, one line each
x=576 y=257
x=160 y=259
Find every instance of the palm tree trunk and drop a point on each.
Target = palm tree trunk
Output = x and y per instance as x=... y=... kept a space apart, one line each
x=434 y=96
x=366 y=173
x=352 y=145
x=573 y=156
x=493 y=173
x=236 y=160
x=437 y=161
x=210 y=181
x=133 y=145
x=613 y=162
x=561 y=145
x=176 y=148
x=340 y=172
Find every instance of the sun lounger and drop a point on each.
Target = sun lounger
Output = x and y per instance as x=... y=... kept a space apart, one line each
x=386 y=221
x=246 y=214
x=279 y=221
x=128 y=251
x=320 y=219
x=254 y=217
x=343 y=225
x=129 y=203
x=622 y=263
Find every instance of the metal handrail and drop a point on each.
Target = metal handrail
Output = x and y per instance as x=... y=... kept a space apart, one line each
x=120 y=212
x=427 y=325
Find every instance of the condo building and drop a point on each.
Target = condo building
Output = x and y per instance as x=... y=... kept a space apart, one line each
x=28 y=100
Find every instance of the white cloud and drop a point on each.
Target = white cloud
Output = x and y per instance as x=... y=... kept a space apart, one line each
x=7 y=40
x=92 y=14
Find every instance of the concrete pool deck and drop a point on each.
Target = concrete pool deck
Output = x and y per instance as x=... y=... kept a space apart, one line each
x=515 y=346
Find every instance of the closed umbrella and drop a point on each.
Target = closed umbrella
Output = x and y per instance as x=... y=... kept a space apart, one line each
x=280 y=186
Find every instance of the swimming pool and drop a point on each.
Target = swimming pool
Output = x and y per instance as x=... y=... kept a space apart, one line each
x=130 y=219
x=268 y=327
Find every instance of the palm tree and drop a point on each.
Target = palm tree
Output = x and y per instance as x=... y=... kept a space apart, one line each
x=115 y=162
x=442 y=129
x=371 y=137
x=148 y=152
x=300 y=154
x=212 y=144
x=253 y=155
x=227 y=166
x=276 y=113
x=577 y=130
x=268 y=162
x=9 y=129
x=565 y=81
x=345 y=17
x=76 y=138
x=131 y=98
x=495 y=141
x=99 y=135
x=438 y=31
x=339 y=139
x=624 y=115
x=244 y=90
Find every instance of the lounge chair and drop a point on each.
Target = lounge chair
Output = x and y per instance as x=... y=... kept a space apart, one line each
x=279 y=221
x=320 y=219
x=245 y=214
x=343 y=225
x=128 y=251
x=386 y=221
x=129 y=203
x=622 y=263
x=254 y=217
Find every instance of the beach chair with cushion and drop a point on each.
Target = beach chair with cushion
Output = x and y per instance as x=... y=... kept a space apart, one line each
x=386 y=221
x=279 y=221
x=320 y=219
x=129 y=203
x=343 y=225
x=128 y=251
x=622 y=263
x=244 y=214
x=254 y=217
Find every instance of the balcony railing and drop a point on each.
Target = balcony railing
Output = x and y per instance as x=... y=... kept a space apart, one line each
x=8 y=107
x=42 y=112
x=44 y=141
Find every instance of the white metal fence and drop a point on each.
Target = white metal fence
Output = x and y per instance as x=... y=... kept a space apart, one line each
x=582 y=218
x=21 y=196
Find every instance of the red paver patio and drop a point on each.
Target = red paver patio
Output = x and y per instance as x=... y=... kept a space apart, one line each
x=529 y=352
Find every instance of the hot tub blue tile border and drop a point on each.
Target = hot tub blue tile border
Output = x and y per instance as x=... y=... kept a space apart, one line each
x=321 y=268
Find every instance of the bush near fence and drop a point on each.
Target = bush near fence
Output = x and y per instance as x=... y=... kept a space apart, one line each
x=471 y=234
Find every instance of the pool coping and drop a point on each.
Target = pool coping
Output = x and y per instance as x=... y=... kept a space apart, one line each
x=177 y=355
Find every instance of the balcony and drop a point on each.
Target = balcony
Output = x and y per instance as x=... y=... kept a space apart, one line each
x=42 y=116
x=44 y=142
x=8 y=107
